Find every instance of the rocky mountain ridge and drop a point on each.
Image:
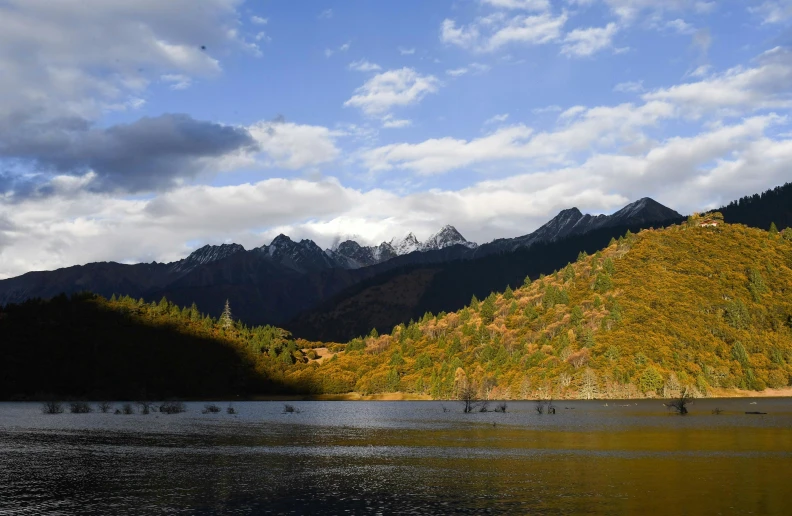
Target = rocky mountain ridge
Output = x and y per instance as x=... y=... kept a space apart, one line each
x=272 y=283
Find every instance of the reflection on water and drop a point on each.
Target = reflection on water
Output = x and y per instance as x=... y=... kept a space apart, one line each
x=401 y=457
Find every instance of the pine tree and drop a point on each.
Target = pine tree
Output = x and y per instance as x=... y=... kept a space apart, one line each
x=226 y=320
x=773 y=228
x=488 y=310
x=602 y=283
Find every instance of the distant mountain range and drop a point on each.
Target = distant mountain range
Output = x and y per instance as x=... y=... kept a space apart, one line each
x=572 y=222
x=351 y=255
x=273 y=283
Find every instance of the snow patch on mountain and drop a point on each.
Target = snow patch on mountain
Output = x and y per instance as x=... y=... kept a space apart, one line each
x=206 y=254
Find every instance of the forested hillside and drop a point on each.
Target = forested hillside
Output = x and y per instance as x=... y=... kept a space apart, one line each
x=652 y=314
x=760 y=210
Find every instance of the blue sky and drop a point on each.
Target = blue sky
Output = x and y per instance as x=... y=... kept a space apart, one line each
x=122 y=139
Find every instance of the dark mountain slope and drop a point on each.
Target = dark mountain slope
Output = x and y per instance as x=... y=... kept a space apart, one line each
x=103 y=278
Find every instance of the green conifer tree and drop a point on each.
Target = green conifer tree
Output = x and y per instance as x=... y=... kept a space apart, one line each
x=488 y=310
x=226 y=320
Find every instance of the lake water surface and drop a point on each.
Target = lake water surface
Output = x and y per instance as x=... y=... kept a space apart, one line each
x=629 y=457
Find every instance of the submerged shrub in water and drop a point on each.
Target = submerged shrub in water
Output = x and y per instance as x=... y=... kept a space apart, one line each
x=52 y=407
x=211 y=408
x=80 y=407
x=172 y=407
x=290 y=409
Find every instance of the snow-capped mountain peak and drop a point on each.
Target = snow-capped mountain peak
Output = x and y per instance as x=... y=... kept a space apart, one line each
x=405 y=245
x=447 y=237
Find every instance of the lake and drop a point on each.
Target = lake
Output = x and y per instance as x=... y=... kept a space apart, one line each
x=413 y=457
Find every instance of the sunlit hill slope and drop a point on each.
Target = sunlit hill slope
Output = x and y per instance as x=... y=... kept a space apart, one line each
x=684 y=308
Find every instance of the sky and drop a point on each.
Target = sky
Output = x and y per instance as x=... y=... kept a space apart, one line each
x=140 y=130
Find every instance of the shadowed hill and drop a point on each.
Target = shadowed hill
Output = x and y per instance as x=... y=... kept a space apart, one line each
x=87 y=346
x=683 y=309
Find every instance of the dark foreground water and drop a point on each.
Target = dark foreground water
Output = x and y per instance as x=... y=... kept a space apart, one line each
x=401 y=458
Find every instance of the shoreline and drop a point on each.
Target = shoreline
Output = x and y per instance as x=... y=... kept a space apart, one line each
x=784 y=392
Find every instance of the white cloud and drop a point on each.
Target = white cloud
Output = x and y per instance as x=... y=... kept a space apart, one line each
x=629 y=87
x=326 y=14
x=258 y=20
x=680 y=26
x=92 y=56
x=262 y=36
x=546 y=109
x=343 y=48
x=457 y=72
x=629 y=10
x=497 y=119
x=292 y=146
x=572 y=112
x=466 y=37
x=406 y=51
x=773 y=11
x=526 y=5
x=600 y=127
x=362 y=65
x=177 y=81
x=389 y=122
x=585 y=42
x=493 y=32
x=737 y=90
x=701 y=71
x=392 y=88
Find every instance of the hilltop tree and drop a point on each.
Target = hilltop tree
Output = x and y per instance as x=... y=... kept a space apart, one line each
x=226 y=320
